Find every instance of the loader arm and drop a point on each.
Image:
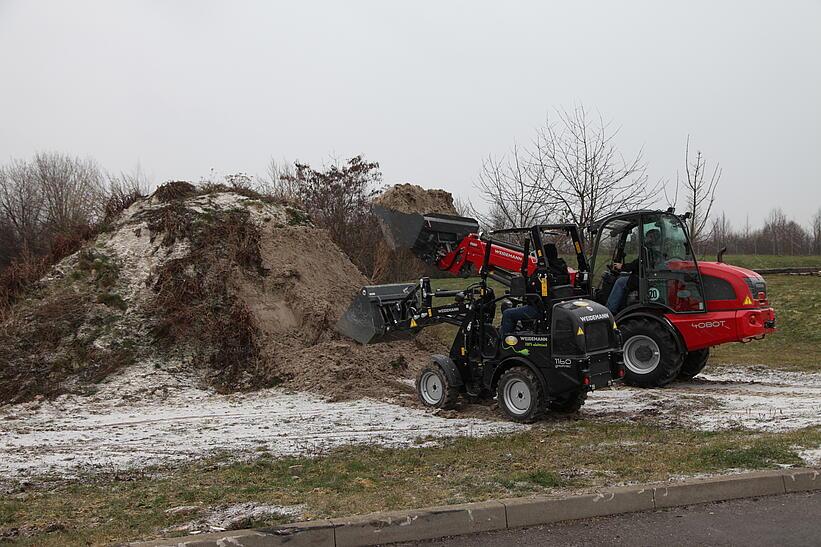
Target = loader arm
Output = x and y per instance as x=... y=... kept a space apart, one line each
x=468 y=256
x=452 y=244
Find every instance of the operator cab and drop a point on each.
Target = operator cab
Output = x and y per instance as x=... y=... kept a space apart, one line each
x=544 y=278
x=652 y=250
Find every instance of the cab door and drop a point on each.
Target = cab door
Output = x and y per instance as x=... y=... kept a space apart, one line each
x=669 y=273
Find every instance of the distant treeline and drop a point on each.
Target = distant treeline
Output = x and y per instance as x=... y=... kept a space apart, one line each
x=778 y=236
x=49 y=206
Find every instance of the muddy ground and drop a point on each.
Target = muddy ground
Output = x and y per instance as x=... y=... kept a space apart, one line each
x=152 y=417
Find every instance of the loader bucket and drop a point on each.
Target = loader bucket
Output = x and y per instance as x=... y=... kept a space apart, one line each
x=425 y=235
x=370 y=317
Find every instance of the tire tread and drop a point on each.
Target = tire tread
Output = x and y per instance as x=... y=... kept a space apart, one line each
x=538 y=395
x=671 y=358
x=451 y=394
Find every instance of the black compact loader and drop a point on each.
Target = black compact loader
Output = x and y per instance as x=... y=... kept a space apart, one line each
x=548 y=362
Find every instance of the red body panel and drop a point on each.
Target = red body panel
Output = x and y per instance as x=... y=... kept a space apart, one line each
x=471 y=253
x=711 y=328
x=741 y=319
x=734 y=275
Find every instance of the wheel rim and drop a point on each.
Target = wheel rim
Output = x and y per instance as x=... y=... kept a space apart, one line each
x=517 y=397
x=641 y=354
x=431 y=388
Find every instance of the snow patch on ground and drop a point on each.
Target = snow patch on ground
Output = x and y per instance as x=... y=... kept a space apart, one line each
x=150 y=416
x=751 y=398
x=811 y=457
x=235 y=517
x=157 y=414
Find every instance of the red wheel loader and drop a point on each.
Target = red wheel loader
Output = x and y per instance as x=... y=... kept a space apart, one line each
x=672 y=308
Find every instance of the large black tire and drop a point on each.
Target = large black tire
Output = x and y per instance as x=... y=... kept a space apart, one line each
x=570 y=403
x=520 y=395
x=434 y=389
x=694 y=362
x=651 y=354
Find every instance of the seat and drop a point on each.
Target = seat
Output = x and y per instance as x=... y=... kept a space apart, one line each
x=556 y=267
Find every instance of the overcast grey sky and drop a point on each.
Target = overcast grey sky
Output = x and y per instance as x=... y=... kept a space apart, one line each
x=425 y=88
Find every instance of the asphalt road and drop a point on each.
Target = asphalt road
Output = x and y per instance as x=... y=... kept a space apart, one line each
x=793 y=519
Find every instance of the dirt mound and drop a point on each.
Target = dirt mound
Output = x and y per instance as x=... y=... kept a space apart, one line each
x=394 y=265
x=240 y=289
x=308 y=286
x=411 y=198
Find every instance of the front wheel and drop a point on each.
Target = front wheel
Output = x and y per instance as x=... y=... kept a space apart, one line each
x=434 y=389
x=651 y=355
x=520 y=395
x=694 y=362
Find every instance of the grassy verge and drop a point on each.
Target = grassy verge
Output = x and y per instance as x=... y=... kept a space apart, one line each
x=553 y=458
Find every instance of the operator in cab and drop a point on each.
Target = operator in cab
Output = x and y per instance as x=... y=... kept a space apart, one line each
x=526 y=312
x=555 y=274
x=628 y=279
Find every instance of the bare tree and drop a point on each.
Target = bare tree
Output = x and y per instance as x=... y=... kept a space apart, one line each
x=21 y=207
x=513 y=191
x=700 y=191
x=815 y=232
x=279 y=181
x=71 y=189
x=339 y=199
x=721 y=231
x=578 y=168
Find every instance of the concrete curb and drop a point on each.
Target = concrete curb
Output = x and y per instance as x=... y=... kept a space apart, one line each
x=468 y=518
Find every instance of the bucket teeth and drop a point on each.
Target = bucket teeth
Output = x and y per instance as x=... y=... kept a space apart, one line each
x=369 y=318
x=374 y=314
x=401 y=230
x=428 y=236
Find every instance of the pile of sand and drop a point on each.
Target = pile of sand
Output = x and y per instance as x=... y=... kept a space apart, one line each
x=309 y=285
x=241 y=290
x=411 y=198
x=400 y=264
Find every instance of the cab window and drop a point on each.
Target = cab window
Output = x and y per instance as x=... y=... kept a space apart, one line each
x=670 y=273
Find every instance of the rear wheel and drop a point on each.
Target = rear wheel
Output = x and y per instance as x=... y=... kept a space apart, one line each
x=651 y=354
x=520 y=395
x=694 y=362
x=434 y=389
x=570 y=403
